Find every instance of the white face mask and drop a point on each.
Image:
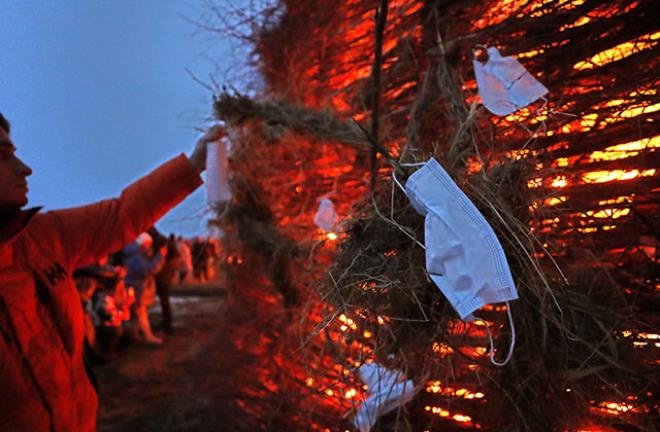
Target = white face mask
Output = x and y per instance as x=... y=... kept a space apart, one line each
x=217 y=169
x=464 y=258
x=387 y=392
x=325 y=217
x=504 y=84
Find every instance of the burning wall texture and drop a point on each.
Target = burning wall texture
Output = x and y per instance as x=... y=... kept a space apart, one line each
x=571 y=188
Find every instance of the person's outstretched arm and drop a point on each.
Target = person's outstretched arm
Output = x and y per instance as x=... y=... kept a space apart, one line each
x=84 y=234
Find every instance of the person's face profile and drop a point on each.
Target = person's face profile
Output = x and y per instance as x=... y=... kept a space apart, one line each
x=13 y=176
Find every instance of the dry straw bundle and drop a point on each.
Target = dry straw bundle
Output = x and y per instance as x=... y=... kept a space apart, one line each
x=580 y=246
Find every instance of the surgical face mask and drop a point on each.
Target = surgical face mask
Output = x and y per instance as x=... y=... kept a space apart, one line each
x=326 y=217
x=464 y=258
x=217 y=171
x=504 y=84
x=388 y=390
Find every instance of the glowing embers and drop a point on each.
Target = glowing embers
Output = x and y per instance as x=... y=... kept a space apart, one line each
x=436 y=387
x=234 y=259
x=590 y=177
x=614 y=407
x=459 y=418
x=619 y=52
x=607 y=213
x=616 y=175
x=394 y=93
x=590 y=217
x=376 y=284
x=540 y=8
x=642 y=339
x=606 y=11
x=443 y=350
x=577 y=23
x=343 y=69
x=347 y=323
x=554 y=201
x=622 y=151
x=471 y=335
x=635 y=104
x=631 y=405
x=559 y=182
x=499 y=10
x=350 y=393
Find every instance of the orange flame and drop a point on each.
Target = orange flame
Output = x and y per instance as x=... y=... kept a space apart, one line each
x=619 y=52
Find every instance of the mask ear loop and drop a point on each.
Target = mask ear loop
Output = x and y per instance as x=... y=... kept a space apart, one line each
x=391 y=218
x=396 y=180
x=403 y=189
x=491 y=354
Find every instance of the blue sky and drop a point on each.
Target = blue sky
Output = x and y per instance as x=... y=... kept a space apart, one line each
x=98 y=94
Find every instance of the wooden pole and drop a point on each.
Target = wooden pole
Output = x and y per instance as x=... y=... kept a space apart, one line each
x=381 y=19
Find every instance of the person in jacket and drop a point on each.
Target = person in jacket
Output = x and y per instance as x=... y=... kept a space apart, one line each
x=110 y=310
x=165 y=278
x=142 y=263
x=44 y=381
x=186 y=259
x=87 y=280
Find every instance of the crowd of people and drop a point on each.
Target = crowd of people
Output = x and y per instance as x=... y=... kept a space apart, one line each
x=117 y=291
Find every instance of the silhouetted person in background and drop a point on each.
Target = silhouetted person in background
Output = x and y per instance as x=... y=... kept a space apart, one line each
x=186 y=259
x=142 y=263
x=164 y=280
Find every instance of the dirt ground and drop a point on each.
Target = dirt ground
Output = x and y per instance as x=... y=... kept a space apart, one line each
x=234 y=363
x=162 y=388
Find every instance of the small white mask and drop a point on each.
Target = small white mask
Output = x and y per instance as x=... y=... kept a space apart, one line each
x=217 y=170
x=464 y=258
x=504 y=84
x=388 y=390
x=326 y=217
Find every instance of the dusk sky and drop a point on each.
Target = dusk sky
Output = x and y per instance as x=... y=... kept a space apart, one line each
x=98 y=94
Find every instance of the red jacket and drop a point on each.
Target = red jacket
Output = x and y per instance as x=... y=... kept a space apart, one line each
x=43 y=382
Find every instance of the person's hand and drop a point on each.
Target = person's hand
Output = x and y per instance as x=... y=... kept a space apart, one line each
x=198 y=156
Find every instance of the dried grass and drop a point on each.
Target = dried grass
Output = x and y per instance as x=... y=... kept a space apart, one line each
x=575 y=305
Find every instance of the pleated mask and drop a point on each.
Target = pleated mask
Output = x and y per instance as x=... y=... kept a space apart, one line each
x=504 y=84
x=326 y=217
x=464 y=258
x=388 y=390
x=217 y=172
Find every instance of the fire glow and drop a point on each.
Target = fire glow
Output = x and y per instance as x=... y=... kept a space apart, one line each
x=556 y=189
x=619 y=408
x=458 y=418
x=619 y=52
x=436 y=387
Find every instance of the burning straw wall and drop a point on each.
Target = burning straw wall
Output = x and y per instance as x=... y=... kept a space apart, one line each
x=570 y=188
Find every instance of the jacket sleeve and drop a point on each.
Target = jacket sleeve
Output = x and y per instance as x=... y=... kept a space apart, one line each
x=83 y=235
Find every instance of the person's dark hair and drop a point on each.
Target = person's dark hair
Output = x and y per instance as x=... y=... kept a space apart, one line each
x=4 y=123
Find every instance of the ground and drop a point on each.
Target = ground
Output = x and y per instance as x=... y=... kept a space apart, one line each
x=166 y=388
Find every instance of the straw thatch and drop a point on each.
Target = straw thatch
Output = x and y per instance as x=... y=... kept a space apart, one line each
x=582 y=243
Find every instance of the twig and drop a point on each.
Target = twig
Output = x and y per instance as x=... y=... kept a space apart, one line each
x=381 y=19
x=381 y=149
